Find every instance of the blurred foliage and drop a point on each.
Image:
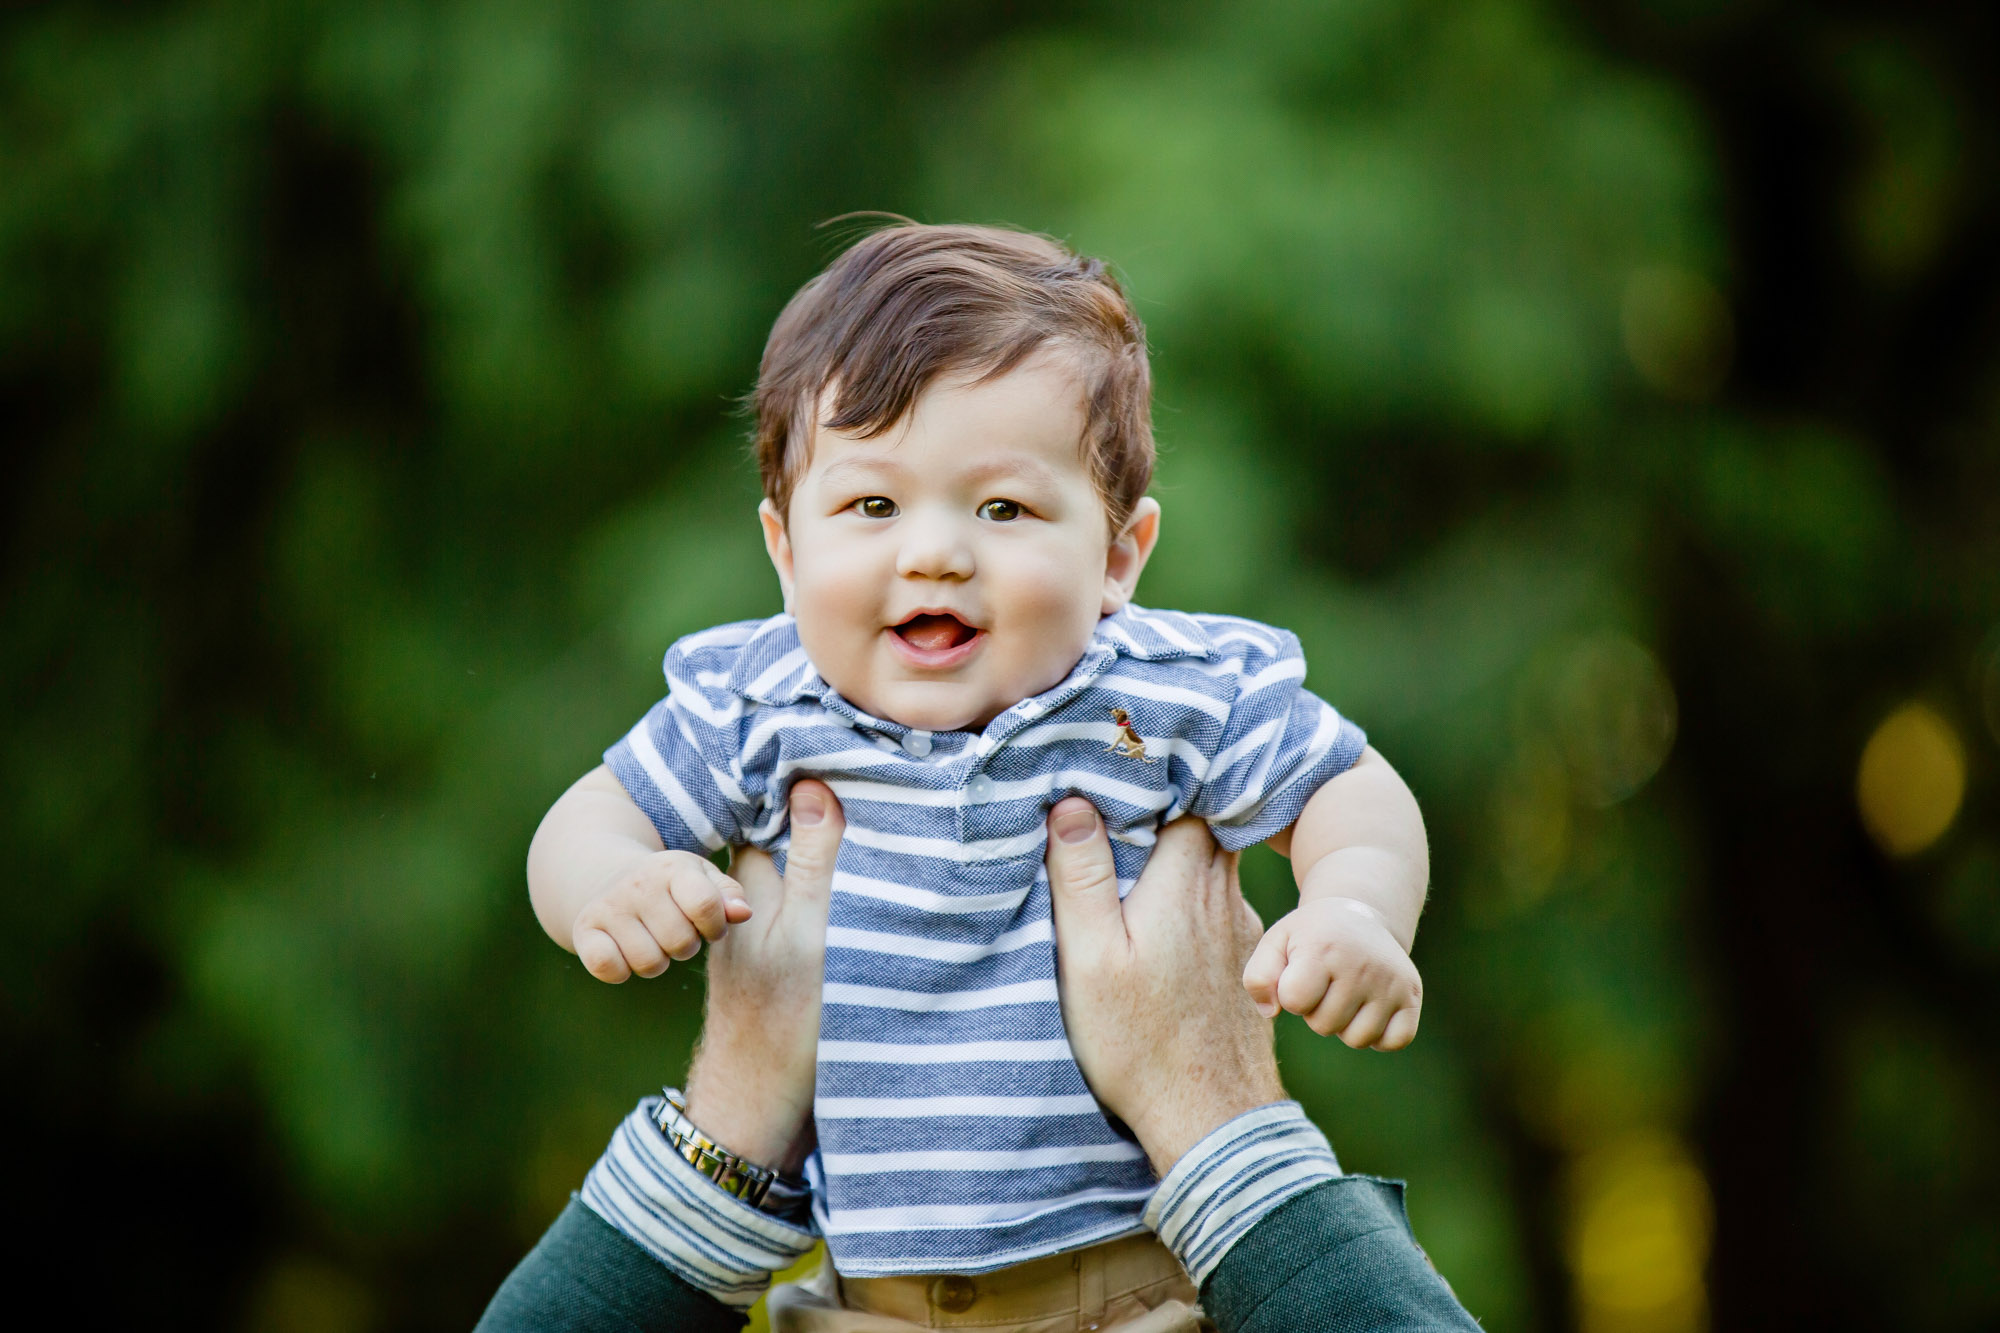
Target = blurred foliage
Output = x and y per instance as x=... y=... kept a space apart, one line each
x=1605 y=396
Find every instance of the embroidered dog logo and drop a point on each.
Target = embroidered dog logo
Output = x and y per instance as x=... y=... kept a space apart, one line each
x=1128 y=742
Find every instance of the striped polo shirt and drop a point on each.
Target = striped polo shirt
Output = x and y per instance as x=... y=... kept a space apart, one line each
x=955 y=1130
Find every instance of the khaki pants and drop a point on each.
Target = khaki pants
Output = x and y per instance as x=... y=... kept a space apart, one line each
x=1134 y=1285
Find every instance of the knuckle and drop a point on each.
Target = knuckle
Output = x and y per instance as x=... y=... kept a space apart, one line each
x=691 y=885
x=1093 y=878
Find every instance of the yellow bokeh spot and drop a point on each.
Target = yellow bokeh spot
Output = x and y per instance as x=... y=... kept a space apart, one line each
x=1640 y=1219
x=1912 y=780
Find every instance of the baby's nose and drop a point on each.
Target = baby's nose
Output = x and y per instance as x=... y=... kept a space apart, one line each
x=934 y=549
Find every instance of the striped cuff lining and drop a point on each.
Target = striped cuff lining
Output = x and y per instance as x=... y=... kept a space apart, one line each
x=714 y=1241
x=1229 y=1181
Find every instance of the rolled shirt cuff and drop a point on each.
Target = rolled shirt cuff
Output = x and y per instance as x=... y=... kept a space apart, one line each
x=712 y=1240
x=1232 y=1179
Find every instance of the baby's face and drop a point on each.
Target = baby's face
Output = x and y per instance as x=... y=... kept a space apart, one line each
x=957 y=563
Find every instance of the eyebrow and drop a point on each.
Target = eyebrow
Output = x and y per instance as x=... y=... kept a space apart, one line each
x=851 y=470
x=1023 y=468
x=868 y=467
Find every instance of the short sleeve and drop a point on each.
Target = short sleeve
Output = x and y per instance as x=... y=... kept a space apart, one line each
x=1279 y=744
x=680 y=762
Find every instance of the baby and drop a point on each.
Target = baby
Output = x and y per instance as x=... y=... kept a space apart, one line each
x=953 y=431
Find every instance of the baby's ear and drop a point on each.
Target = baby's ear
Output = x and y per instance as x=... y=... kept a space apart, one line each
x=778 y=545
x=1129 y=551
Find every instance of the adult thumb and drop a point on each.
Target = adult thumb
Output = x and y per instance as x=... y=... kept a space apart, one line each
x=1083 y=881
x=817 y=823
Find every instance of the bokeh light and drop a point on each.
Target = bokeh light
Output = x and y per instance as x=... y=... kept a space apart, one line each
x=1678 y=332
x=1533 y=823
x=1615 y=717
x=1640 y=1223
x=1594 y=718
x=1912 y=779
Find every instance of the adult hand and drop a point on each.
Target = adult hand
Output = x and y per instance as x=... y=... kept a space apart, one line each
x=1152 y=990
x=750 y=1086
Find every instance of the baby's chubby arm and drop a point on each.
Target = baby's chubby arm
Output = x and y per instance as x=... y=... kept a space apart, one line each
x=1342 y=959
x=605 y=888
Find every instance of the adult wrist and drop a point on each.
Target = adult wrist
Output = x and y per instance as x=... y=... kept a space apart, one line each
x=1233 y=1178
x=765 y=1188
x=715 y=1241
x=735 y=1096
x=1175 y=1124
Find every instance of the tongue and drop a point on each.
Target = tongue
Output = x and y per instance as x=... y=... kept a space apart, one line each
x=934 y=633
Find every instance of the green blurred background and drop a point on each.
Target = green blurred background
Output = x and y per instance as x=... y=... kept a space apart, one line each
x=1608 y=393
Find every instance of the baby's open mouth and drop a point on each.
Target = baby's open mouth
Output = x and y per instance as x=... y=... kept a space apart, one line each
x=935 y=633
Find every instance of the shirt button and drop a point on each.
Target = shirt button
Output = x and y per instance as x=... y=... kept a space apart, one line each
x=980 y=790
x=953 y=1294
x=917 y=744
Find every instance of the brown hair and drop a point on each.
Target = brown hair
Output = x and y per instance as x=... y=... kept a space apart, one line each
x=910 y=302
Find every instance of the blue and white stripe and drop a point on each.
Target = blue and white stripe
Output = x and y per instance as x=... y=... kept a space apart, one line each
x=955 y=1130
x=1233 y=1179
x=712 y=1240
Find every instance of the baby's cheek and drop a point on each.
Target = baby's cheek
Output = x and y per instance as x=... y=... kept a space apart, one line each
x=835 y=627
x=1059 y=592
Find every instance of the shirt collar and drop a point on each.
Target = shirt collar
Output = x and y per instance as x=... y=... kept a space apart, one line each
x=773 y=669
x=1153 y=636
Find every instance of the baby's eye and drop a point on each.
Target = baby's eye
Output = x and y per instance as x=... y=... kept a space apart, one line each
x=1000 y=511
x=876 y=506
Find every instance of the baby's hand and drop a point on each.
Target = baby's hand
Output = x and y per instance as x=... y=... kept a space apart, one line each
x=1334 y=963
x=658 y=908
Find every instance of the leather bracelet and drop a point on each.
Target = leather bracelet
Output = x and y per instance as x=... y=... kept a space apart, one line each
x=763 y=1188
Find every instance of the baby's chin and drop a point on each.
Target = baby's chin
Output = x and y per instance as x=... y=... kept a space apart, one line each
x=947 y=704
x=933 y=707
x=928 y=705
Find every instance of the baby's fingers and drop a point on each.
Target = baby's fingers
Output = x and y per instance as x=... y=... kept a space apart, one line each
x=1402 y=1030
x=1307 y=986
x=1365 y=1029
x=671 y=931
x=1266 y=966
x=703 y=895
x=642 y=953
x=598 y=953
x=1330 y=1010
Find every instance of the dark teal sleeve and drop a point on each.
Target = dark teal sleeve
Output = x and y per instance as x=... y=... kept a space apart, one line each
x=584 y=1276
x=1339 y=1256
